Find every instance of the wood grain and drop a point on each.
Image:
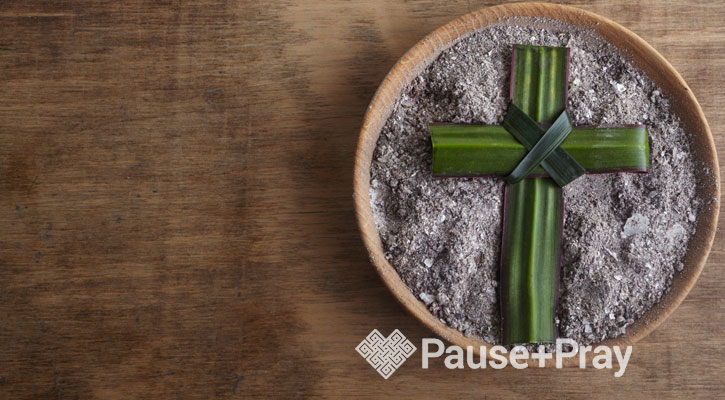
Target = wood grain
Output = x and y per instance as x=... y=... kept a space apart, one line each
x=176 y=210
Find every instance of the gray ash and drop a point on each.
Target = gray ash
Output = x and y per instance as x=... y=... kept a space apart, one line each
x=625 y=235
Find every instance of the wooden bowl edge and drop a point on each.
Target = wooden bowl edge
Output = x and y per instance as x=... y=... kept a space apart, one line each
x=443 y=37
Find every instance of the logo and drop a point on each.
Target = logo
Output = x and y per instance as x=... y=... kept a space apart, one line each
x=385 y=354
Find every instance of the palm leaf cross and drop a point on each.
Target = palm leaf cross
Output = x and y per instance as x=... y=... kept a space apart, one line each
x=537 y=160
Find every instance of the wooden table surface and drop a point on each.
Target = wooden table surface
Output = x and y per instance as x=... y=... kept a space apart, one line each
x=176 y=203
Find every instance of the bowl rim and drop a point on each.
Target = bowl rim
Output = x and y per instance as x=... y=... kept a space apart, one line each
x=643 y=55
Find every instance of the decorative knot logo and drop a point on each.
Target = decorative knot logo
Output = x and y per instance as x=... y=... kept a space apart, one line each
x=386 y=355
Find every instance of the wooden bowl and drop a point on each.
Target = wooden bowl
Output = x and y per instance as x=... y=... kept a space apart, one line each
x=642 y=54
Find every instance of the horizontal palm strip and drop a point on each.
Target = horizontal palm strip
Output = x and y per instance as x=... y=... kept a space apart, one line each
x=487 y=150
